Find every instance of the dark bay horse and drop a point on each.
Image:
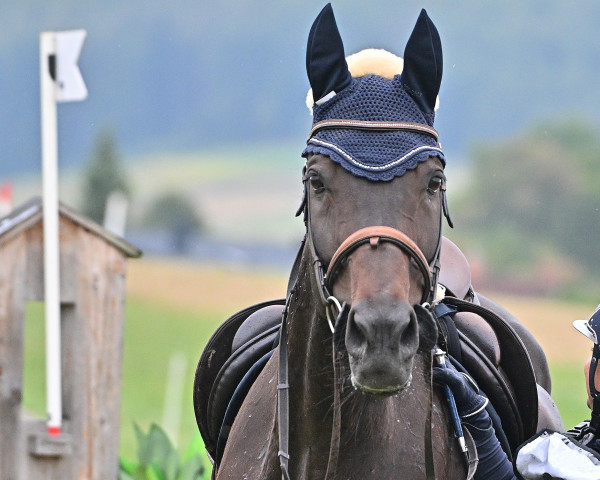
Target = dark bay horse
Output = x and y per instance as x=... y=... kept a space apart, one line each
x=358 y=403
x=384 y=432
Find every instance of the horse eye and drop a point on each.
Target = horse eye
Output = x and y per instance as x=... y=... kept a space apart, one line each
x=434 y=185
x=316 y=183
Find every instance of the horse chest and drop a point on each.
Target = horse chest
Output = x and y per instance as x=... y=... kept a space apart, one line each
x=387 y=437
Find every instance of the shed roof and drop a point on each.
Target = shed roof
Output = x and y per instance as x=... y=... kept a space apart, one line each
x=31 y=212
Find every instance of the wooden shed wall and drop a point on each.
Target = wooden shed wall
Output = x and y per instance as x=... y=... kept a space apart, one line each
x=93 y=276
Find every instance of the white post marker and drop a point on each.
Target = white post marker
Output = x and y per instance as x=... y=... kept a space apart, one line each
x=60 y=81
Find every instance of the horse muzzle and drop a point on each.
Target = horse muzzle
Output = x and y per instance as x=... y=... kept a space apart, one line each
x=381 y=339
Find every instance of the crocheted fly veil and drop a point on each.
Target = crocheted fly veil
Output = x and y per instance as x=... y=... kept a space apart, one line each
x=375 y=127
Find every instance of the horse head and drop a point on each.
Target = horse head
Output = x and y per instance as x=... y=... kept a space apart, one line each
x=375 y=196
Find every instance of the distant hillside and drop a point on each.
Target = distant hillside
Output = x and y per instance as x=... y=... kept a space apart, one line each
x=188 y=75
x=243 y=195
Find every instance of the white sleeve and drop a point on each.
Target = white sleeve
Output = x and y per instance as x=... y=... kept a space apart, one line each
x=552 y=453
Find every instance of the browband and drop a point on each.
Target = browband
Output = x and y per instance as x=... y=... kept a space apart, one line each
x=372 y=125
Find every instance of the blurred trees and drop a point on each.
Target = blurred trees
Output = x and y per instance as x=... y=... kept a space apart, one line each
x=532 y=207
x=102 y=177
x=175 y=214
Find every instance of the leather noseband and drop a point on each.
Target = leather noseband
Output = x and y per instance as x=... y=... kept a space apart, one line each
x=374 y=236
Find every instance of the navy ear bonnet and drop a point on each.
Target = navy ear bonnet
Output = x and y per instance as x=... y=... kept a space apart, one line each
x=378 y=155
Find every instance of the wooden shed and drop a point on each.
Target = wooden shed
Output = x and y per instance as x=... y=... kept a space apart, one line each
x=93 y=264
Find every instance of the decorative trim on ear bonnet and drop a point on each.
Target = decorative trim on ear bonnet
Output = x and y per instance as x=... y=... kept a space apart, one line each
x=371 y=87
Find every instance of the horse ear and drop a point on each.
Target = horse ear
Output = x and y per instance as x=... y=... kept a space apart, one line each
x=325 y=59
x=422 y=73
x=428 y=331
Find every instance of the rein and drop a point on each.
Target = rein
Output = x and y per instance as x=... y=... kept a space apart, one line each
x=374 y=236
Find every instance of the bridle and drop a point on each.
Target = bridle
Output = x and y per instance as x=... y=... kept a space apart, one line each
x=374 y=236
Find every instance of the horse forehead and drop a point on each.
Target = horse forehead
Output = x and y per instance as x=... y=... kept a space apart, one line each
x=358 y=202
x=396 y=186
x=356 y=196
x=386 y=195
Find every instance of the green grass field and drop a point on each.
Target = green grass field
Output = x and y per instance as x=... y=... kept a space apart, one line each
x=153 y=333
x=174 y=308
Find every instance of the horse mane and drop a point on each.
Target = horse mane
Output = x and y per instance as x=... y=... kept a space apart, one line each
x=373 y=61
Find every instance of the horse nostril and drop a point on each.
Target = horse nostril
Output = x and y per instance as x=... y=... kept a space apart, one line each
x=381 y=328
x=410 y=332
x=356 y=335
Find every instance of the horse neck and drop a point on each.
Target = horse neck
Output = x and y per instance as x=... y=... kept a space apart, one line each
x=309 y=337
x=399 y=432
x=310 y=367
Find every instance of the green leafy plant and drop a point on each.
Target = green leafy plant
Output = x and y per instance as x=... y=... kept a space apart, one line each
x=159 y=460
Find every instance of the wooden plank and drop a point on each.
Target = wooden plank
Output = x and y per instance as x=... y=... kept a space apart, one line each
x=100 y=311
x=42 y=444
x=13 y=281
x=92 y=338
x=35 y=263
x=46 y=457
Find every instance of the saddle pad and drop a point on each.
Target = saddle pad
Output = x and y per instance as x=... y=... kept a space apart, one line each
x=214 y=356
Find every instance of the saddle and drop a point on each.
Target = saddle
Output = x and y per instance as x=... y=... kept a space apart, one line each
x=481 y=338
x=235 y=347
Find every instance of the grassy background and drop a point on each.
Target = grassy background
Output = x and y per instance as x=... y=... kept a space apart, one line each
x=173 y=308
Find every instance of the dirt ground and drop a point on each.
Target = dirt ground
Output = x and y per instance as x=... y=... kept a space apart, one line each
x=199 y=287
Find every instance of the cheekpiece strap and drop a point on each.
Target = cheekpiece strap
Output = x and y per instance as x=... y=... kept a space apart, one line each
x=372 y=125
